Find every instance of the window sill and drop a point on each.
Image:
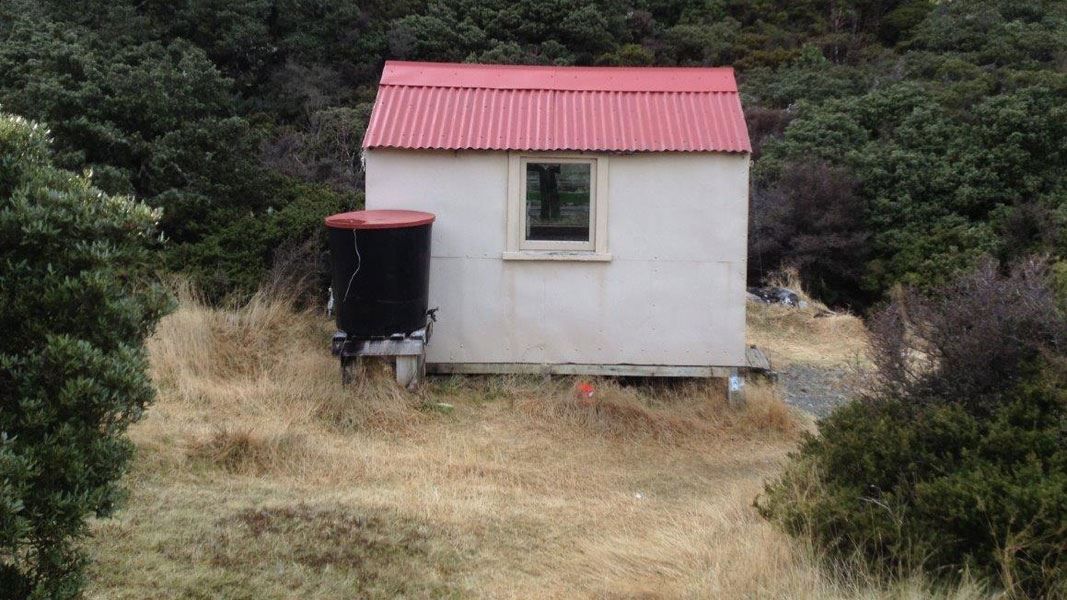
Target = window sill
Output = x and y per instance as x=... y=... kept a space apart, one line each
x=566 y=255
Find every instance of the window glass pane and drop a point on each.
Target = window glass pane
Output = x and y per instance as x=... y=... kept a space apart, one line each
x=557 y=201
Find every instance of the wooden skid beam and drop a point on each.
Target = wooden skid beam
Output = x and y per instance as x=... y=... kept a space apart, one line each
x=584 y=369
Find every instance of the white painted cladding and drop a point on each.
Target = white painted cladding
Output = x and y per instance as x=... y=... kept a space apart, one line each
x=673 y=293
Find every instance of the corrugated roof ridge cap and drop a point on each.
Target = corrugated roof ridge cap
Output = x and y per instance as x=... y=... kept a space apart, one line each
x=539 y=89
x=559 y=78
x=565 y=148
x=465 y=65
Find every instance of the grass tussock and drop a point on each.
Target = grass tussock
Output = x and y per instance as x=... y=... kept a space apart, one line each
x=372 y=401
x=265 y=365
x=251 y=452
x=265 y=361
x=259 y=476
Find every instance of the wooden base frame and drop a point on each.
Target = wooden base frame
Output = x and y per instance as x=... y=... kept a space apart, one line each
x=733 y=376
x=580 y=369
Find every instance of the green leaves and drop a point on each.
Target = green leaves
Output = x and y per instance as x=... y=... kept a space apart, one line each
x=938 y=488
x=237 y=256
x=954 y=458
x=78 y=296
x=956 y=143
x=947 y=116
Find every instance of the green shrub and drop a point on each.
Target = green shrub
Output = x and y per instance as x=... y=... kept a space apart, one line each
x=236 y=259
x=77 y=299
x=955 y=460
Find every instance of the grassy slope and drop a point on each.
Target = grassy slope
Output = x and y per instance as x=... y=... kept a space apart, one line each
x=259 y=477
x=813 y=335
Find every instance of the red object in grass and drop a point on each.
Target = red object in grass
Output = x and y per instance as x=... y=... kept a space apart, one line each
x=585 y=389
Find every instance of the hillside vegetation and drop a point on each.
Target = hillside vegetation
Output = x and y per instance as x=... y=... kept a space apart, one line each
x=259 y=476
x=953 y=454
x=897 y=146
x=896 y=141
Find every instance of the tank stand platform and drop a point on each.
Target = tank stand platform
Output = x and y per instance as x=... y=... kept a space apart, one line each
x=409 y=351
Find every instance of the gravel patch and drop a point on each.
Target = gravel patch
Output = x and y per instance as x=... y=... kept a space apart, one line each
x=817 y=390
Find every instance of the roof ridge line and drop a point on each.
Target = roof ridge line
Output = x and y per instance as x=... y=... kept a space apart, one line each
x=539 y=89
x=536 y=77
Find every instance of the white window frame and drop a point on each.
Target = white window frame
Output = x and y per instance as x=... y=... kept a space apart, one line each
x=519 y=248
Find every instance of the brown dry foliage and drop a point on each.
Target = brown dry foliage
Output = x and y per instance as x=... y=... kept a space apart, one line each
x=660 y=410
x=951 y=342
x=250 y=452
x=258 y=475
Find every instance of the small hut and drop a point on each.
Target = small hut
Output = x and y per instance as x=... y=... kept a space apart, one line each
x=590 y=220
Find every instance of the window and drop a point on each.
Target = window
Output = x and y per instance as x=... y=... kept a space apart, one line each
x=556 y=208
x=558 y=201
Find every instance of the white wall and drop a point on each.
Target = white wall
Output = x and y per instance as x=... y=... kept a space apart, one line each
x=673 y=294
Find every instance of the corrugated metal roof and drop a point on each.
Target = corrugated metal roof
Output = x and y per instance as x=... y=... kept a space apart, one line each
x=613 y=109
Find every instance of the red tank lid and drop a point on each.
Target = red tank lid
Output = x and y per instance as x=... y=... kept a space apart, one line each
x=379 y=219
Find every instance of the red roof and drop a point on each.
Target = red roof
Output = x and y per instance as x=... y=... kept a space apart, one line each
x=446 y=106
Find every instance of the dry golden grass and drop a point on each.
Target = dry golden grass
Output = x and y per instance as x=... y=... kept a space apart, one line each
x=259 y=476
x=813 y=335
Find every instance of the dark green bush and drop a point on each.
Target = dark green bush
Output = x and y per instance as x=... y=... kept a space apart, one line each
x=955 y=460
x=236 y=259
x=941 y=124
x=77 y=299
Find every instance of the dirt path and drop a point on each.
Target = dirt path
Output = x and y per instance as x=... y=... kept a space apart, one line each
x=815 y=353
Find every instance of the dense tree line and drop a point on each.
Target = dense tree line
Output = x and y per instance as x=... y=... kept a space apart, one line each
x=896 y=140
x=946 y=149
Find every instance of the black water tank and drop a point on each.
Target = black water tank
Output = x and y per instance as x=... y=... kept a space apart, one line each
x=381 y=271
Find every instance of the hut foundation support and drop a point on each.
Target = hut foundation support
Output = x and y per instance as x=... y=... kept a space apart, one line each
x=735 y=389
x=408 y=351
